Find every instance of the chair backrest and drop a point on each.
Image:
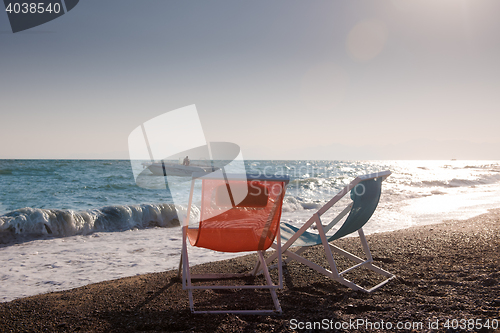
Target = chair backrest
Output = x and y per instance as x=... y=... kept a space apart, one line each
x=365 y=196
x=230 y=226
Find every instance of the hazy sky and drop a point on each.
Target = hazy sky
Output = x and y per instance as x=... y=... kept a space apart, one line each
x=283 y=79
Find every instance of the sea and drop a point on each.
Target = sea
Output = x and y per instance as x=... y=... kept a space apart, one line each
x=69 y=223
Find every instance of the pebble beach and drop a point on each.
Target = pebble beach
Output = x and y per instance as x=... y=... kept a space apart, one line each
x=447 y=278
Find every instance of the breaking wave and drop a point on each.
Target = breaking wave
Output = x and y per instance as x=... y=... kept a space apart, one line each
x=455 y=182
x=35 y=222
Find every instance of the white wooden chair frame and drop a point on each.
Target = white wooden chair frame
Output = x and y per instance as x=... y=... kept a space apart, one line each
x=333 y=273
x=187 y=277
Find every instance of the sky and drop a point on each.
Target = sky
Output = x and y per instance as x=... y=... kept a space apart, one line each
x=283 y=79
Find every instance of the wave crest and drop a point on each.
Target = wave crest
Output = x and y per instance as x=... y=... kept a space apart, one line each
x=456 y=182
x=62 y=223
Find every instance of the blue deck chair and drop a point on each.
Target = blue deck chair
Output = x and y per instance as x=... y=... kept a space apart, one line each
x=365 y=193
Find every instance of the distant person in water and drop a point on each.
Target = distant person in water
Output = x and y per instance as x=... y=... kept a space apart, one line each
x=186 y=161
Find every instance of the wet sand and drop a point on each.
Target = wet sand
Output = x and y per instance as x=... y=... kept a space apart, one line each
x=446 y=273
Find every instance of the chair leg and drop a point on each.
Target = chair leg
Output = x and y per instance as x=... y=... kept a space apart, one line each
x=180 y=268
x=186 y=280
x=186 y=277
x=269 y=282
x=327 y=249
x=298 y=252
x=368 y=263
x=257 y=270
x=364 y=243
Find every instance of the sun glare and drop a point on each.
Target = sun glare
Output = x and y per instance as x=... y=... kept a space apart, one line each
x=366 y=40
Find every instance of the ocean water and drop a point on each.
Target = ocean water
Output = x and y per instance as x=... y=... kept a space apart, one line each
x=67 y=223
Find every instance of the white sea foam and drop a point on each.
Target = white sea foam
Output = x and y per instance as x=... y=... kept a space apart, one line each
x=46 y=265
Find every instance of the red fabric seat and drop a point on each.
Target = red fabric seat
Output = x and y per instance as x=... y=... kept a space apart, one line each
x=238 y=215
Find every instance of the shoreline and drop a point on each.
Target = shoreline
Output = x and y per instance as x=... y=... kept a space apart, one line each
x=447 y=270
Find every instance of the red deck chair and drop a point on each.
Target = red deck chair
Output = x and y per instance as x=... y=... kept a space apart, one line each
x=239 y=213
